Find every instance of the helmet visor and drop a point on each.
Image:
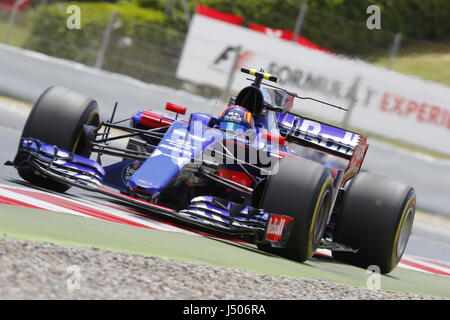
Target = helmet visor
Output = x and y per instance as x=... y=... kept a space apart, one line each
x=231 y=126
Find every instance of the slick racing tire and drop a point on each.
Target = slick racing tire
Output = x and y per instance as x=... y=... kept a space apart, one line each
x=301 y=189
x=57 y=118
x=375 y=218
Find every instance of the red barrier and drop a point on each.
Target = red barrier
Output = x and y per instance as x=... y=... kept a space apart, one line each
x=219 y=15
x=6 y=5
x=287 y=35
x=237 y=20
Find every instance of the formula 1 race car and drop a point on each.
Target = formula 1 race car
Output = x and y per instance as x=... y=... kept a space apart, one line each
x=235 y=174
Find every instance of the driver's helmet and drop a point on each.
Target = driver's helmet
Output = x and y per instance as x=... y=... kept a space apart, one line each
x=235 y=118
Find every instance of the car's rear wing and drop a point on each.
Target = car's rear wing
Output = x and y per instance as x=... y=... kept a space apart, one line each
x=325 y=138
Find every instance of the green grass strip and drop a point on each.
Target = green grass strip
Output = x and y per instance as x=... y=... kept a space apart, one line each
x=75 y=231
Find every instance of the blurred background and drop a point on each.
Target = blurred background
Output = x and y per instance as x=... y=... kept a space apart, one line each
x=146 y=37
x=145 y=40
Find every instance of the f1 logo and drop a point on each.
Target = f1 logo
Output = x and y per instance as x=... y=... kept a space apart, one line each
x=225 y=56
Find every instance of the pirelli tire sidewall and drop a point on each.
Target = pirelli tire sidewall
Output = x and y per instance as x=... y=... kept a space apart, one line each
x=301 y=189
x=57 y=118
x=375 y=218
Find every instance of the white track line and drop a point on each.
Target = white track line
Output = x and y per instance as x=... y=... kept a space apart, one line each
x=445 y=264
x=327 y=253
x=38 y=203
x=408 y=267
x=148 y=221
x=428 y=264
x=91 y=204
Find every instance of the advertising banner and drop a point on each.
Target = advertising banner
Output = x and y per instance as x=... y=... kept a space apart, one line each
x=383 y=102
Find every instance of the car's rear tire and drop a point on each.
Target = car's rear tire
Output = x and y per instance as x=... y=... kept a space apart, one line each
x=57 y=118
x=301 y=189
x=375 y=218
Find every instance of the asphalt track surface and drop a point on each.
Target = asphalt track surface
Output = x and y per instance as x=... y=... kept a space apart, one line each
x=428 y=250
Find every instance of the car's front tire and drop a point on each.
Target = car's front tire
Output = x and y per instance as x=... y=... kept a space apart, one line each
x=301 y=189
x=57 y=118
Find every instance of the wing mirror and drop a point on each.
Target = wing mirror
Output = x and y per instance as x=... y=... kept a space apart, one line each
x=175 y=108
